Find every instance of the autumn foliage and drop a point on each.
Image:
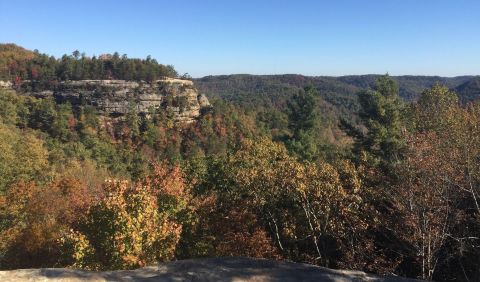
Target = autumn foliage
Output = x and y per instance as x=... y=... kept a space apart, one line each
x=35 y=218
x=119 y=225
x=401 y=196
x=132 y=225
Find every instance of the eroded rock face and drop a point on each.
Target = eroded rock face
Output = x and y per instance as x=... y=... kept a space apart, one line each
x=118 y=97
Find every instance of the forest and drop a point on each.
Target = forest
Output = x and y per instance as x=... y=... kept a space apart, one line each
x=18 y=64
x=373 y=173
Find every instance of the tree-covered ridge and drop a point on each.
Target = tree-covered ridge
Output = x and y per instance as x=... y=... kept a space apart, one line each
x=469 y=90
x=17 y=64
x=267 y=96
x=271 y=88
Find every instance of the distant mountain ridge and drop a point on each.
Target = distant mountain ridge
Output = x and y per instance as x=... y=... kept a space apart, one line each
x=227 y=86
x=469 y=90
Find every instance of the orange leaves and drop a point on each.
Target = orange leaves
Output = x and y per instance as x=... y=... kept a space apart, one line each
x=72 y=123
x=133 y=224
x=36 y=217
x=166 y=180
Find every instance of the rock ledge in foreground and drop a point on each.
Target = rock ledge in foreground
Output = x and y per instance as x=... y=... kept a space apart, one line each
x=213 y=269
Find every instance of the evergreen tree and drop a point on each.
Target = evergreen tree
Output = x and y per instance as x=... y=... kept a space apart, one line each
x=133 y=122
x=382 y=114
x=301 y=111
x=302 y=116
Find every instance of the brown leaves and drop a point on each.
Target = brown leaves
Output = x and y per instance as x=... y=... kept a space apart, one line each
x=309 y=209
x=439 y=175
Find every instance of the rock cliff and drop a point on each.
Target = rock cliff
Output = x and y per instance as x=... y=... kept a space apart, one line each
x=118 y=97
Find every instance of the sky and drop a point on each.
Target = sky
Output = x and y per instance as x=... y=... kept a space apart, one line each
x=212 y=37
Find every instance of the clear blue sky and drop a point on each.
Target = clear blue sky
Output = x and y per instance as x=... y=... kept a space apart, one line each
x=204 y=37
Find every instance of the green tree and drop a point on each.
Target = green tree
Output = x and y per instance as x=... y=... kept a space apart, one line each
x=302 y=116
x=301 y=111
x=435 y=109
x=8 y=107
x=133 y=122
x=382 y=114
x=62 y=123
x=22 y=157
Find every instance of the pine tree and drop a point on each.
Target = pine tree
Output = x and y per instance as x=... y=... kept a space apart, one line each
x=382 y=114
x=302 y=116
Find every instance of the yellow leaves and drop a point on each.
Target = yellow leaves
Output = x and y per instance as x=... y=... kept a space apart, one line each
x=130 y=227
x=437 y=109
x=37 y=217
x=22 y=156
x=301 y=199
x=81 y=250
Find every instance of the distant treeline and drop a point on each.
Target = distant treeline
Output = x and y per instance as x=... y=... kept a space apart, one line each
x=18 y=64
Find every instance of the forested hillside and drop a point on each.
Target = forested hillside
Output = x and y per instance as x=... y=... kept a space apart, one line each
x=347 y=172
x=238 y=87
x=266 y=96
x=17 y=64
x=272 y=91
x=469 y=90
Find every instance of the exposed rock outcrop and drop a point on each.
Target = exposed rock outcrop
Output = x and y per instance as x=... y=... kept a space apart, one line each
x=118 y=97
x=214 y=269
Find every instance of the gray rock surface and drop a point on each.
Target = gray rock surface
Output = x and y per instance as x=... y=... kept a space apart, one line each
x=214 y=269
x=118 y=97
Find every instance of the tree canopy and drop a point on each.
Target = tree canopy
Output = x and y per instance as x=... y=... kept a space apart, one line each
x=17 y=64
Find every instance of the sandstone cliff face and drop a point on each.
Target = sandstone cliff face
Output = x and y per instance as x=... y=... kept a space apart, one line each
x=118 y=97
